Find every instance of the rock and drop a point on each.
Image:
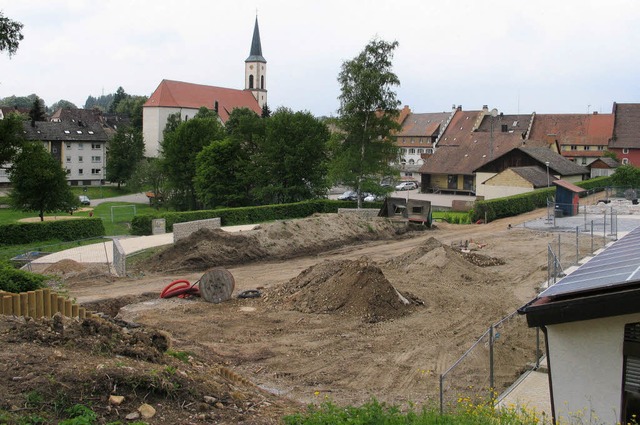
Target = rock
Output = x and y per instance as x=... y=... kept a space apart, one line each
x=210 y=400
x=219 y=405
x=147 y=411
x=116 y=400
x=132 y=416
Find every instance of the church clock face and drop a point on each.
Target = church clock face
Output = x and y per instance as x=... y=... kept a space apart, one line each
x=250 y=66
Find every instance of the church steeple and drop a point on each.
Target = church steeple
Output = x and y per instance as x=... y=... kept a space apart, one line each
x=255 y=69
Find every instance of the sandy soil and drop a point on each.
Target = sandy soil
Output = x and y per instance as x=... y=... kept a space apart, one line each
x=350 y=308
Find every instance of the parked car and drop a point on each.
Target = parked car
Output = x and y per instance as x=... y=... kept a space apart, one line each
x=370 y=197
x=84 y=200
x=407 y=186
x=349 y=195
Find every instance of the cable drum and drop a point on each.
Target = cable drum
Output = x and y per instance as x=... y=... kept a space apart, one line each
x=217 y=285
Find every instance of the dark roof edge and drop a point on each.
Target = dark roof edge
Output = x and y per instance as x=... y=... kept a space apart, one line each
x=608 y=304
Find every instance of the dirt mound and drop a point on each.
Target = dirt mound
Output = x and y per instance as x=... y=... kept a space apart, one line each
x=281 y=239
x=73 y=272
x=50 y=365
x=345 y=287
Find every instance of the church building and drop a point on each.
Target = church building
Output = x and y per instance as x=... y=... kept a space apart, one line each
x=173 y=97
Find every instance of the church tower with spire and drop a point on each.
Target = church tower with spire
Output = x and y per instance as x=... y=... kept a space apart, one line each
x=255 y=69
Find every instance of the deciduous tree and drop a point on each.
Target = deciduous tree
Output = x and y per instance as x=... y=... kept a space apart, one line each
x=291 y=161
x=179 y=150
x=42 y=188
x=626 y=176
x=125 y=150
x=10 y=35
x=10 y=137
x=367 y=118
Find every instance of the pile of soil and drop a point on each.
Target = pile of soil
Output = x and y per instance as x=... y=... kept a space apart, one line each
x=344 y=287
x=49 y=365
x=206 y=248
x=71 y=271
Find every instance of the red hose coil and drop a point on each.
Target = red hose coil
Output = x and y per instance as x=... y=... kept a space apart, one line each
x=180 y=288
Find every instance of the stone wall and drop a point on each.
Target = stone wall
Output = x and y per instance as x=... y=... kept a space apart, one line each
x=364 y=212
x=183 y=230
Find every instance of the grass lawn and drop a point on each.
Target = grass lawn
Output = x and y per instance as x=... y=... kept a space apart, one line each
x=116 y=222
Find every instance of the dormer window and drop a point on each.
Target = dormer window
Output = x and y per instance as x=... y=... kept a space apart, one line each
x=67 y=132
x=79 y=131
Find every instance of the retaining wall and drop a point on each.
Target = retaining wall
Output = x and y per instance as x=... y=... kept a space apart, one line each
x=183 y=230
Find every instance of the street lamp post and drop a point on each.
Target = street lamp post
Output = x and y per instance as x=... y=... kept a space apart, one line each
x=548 y=181
x=494 y=114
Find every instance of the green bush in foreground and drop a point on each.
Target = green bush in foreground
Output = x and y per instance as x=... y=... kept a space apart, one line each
x=14 y=280
x=379 y=413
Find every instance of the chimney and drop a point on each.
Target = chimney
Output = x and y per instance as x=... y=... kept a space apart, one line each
x=485 y=109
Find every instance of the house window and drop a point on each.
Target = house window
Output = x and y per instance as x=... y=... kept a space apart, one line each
x=250 y=81
x=412 y=151
x=95 y=171
x=574 y=148
x=80 y=171
x=586 y=148
x=411 y=161
x=262 y=82
x=80 y=146
x=601 y=148
x=631 y=372
x=584 y=161
x=96 y=159
x=68 y=159
x=452 y=181
x=80 y=159
x=420 y=151
x=68 y=145
x=625 y=161
x=96 y=146
x=625 y=150
x=429 y=151
x=68 y=171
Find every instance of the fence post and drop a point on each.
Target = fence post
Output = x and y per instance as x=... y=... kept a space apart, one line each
x=537 y=348
x=441 y=394
x=7 y=305
x=24 y=304
x=15 y=299
x=46 y=295
x=31 y=299
x=491 y=384
x=577 y=246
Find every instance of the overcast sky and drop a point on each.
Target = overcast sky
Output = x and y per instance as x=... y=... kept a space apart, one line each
x=548 y=56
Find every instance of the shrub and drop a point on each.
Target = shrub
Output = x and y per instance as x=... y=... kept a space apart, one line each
x=15 y=281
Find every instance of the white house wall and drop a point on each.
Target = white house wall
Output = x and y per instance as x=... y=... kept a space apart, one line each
x=493 y=192
x=154 y=120
x=586 y=362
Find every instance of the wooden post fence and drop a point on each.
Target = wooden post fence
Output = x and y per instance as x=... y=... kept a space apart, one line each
x=39 y=303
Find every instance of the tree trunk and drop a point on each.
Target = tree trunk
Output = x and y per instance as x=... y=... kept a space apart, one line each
x=41 y=215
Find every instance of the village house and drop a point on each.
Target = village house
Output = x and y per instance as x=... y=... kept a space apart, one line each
x=471 y=139
x=177 y=97
x=625 y=142
x=581 y=138
x=524 y=169
x=591 y=323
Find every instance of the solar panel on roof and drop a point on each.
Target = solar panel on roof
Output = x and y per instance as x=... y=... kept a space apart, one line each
x=617 y=266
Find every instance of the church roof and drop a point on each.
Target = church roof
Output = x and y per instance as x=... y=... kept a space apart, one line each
x=177 y=94
x=256 y=47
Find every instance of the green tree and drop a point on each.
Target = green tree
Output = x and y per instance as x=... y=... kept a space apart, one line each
x=18 y=101
x=149 y=176
x=43 y=188
x=125 y=150
x=62 y=104
x=102 y=102
x=222 y=171
x=179 y=150
x=626 y=176
x=132 y=107
x=291 y=161
x=10 y=137
x=117 y=98
x=37 y=111
x=367 y=118
x=10 y=35
x=266 y=112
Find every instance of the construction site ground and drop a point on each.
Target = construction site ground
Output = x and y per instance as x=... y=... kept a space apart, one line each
x=350 y=308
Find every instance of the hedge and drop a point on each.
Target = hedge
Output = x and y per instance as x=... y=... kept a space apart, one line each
x=64 y=230
x=518 y=204
x=15 y=281
x=141 y=224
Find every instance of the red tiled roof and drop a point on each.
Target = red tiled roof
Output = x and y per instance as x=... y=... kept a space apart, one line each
x=177 y=94
x=627 y=125
x=573 y=129
x=423 y=125
x=462 y=151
